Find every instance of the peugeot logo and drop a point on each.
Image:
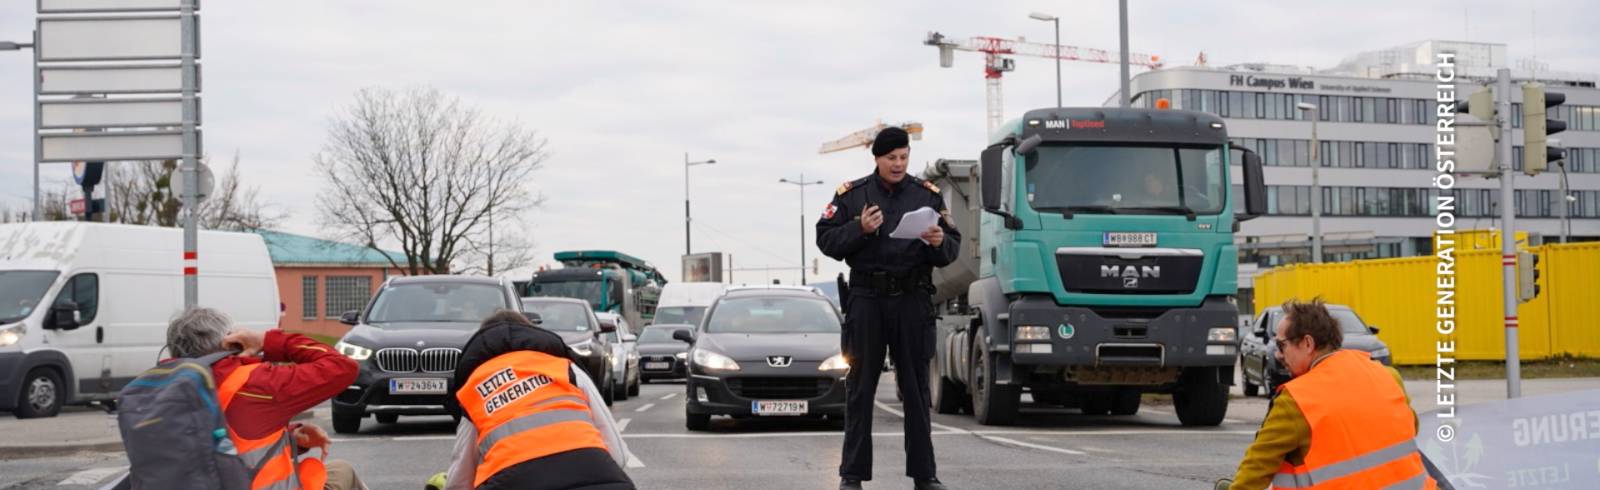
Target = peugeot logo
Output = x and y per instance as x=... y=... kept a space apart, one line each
x=779 y=361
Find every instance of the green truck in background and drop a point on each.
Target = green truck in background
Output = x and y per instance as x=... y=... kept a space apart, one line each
x=609 y=280
x=1099 y=265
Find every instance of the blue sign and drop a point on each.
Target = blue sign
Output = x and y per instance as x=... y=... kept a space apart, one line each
x=1543 y=442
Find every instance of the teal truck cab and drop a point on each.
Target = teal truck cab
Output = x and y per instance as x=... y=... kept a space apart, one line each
x=1101 y=265
x=609 y=280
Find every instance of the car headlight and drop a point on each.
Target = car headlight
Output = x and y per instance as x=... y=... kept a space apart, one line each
x=356 y=352
x=585 y=348
x=713 y=361
x=11 y=335
x=681 y=355
x=835 y=363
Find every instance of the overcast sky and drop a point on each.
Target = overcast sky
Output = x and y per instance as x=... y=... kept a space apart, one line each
x=622 y=90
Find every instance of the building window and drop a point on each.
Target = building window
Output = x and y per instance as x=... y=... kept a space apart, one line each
x=308 y=298
x=347 y=293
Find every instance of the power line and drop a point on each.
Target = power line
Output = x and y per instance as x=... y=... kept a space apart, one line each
x=741 y=241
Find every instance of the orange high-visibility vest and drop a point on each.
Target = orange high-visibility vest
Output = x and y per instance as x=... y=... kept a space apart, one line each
x=525 y=407
x=274 y=454
x=1362 y=430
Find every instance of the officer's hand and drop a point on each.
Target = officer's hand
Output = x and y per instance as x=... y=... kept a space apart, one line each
x=871 y=219
x=934 y=236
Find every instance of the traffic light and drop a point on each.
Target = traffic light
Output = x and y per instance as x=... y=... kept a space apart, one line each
x=1476 y=134
x=1527 y=275
x=1536 y=129
x=1480 y=105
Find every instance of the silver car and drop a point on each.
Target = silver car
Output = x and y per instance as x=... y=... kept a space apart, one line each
x=624 y=356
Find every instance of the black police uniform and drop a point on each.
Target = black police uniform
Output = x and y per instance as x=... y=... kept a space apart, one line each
x=889 y=304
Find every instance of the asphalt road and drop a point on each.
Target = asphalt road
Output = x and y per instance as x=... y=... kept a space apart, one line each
x=1049 y=448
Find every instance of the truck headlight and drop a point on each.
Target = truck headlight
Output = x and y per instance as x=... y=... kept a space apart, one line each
x=585 y=348
x=712 y=361
x=1223 y=334
x=835 y=363
x=354 y=351
x=1027 y=333
x=11 y=335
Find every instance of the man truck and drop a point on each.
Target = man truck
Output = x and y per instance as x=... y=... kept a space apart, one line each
x=610 y=281
x=1099 y=265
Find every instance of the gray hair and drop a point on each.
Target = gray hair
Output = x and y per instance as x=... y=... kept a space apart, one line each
x=197 y=332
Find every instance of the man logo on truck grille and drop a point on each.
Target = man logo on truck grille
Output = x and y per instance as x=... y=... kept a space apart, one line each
x=1130 y=274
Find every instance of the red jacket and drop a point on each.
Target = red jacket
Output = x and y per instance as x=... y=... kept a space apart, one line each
x=301 y=373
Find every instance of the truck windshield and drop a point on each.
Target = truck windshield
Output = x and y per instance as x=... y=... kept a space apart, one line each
x=587 y=290
x=1126 y=180
x=404 y=304
x=21 y=291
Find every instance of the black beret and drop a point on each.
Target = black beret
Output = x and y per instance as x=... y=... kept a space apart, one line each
x=890 y=139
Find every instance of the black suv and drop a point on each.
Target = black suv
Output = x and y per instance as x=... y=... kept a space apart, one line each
x=408 y=341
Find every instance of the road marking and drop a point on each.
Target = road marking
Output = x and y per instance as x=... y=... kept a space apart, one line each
x=1096 y=449
x=760 y=435
x=645 y=407
x=669 y=396
x=424 y=438
x=622 y=425
x=1001 y=440
x=633 y=461
x=1093 y=432
x=91 y=476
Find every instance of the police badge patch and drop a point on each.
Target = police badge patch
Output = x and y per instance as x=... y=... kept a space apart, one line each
x=827 y=213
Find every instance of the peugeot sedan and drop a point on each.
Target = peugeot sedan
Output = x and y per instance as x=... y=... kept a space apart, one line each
x=765 y=352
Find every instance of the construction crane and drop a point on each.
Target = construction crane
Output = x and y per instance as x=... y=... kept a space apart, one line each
x=863 y=138
x=996 y=60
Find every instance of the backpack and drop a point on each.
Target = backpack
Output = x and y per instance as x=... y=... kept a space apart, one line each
x=174 y=431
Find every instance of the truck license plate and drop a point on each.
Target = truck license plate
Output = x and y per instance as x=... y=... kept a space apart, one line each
x=658 y=365
x=1115 y=239
x=797 y=407
x=417 y=386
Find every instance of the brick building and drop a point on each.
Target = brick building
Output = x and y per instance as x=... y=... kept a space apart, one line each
x=318 y=280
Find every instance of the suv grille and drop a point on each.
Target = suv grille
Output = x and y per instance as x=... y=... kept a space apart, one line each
x=779 y=388
x=408 y=360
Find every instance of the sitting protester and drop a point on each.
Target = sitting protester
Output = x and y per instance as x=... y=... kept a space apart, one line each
x=273 y=377
x=531 y=420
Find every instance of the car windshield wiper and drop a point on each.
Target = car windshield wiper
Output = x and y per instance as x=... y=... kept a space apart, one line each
x=1183 y=210
x=1068 y=211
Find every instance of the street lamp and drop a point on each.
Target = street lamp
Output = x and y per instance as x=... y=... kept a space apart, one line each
x=15 y=46
x=1057 y=22
x=802 y=183
x=1316 y=186
x=686 y=165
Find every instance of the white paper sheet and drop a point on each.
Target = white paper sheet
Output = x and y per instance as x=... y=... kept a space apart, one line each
x=914 y=223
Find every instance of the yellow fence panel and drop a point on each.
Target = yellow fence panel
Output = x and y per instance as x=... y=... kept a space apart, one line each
x=1399 y=296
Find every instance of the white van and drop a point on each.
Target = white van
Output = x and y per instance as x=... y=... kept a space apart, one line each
x=84 y=306
x=686 y=302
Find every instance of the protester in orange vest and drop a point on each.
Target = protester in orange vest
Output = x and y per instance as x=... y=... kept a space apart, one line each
x=1342 y=422
x=531 y=420
x=275 y=376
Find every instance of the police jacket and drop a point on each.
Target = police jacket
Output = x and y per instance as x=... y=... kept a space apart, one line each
x=839 y=232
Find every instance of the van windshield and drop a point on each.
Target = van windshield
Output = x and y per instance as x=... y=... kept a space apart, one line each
x=680 y=314
x=21 y=291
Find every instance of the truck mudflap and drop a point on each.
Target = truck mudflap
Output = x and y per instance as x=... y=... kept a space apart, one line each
x=1100 y=337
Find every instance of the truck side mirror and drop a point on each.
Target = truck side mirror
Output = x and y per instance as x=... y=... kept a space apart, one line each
x=1255 y=186
x=351 y=317
x=1028 y=145
x=991 y=178
x=685 y=336
x=63 y=316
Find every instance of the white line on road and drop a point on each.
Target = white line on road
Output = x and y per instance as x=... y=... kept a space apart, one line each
x=1002 y=440
x=622 y=425
x=633 y=461
x=645 y=407
x=669 y=396
x=91 y=476
x=424 y=438
x=1093 y=432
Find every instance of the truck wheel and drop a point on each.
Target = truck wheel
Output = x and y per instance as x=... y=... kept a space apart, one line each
x=1097 y=403
x=696 y=421
x=946 y=395
x=991 y=404
x=347 y=423
x=41 y=394
x=1126 y=401
x=1201 y=399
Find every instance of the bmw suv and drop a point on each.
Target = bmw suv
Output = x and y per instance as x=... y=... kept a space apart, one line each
x=408 y=341
x=765 y=352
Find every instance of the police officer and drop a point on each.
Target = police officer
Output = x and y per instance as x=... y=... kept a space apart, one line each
x=889 y=302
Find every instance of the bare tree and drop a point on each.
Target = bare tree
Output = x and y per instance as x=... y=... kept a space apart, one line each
x=421 y=170
x=142 y=193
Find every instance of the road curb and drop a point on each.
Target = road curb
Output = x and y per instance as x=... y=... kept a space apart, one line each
x=47 y=450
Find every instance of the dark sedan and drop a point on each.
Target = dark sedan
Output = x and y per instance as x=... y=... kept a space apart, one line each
x=1258 y=360
x=661 y=356
x=765 y=352
x=408 y=341
x=577 y=325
